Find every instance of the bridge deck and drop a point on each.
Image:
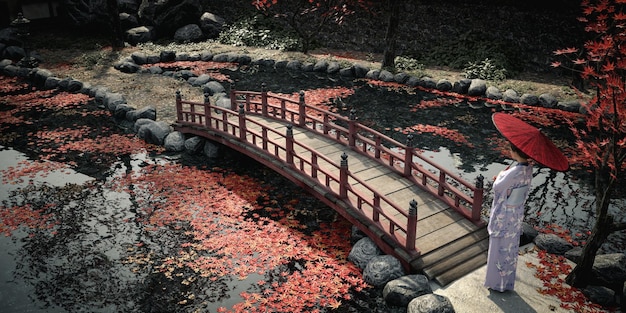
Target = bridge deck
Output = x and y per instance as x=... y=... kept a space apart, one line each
x=449 y=245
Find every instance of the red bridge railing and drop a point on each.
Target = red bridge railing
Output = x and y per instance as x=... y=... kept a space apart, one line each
x=465 y=197
x=398 y=222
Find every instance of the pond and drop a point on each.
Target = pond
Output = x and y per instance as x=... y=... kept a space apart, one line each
x=109 y=256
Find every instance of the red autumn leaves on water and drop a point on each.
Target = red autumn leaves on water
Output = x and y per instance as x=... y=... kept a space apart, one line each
x=234 y=234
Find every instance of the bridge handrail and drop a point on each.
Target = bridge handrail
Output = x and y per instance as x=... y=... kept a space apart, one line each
x=201 y=114
x=467 y=198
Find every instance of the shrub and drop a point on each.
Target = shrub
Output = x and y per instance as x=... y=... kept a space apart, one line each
x=485 y=69
x=408 y=64
x=259 y=31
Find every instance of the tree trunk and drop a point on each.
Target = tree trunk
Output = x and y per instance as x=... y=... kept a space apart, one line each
x=582 y=275
x=117 y=37
x=389 y=55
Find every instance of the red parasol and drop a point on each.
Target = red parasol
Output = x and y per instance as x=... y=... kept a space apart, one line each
x=531 y=141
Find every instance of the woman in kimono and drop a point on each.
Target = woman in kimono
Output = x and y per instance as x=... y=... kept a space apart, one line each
x=510 y=188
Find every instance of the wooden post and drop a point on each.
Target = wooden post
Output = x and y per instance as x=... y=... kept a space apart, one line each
x=263 y=99
x=411 y=226
x=352 y=128
x=343 y=176
x=442 y=182
x=408 y=156
x=477 y=203
x=179 y=107
x=242 y=123
x=301 y=110
x=207 y=110
x=289 y=144
x=233 y=97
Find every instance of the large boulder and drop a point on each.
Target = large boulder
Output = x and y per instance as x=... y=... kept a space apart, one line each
x=363 y=251
x=382 y=269
x=211 y=24
x=169 y=15
x=188 y=33
x=552 y=244
x=399 y=292
x=430 y=303
x=140 y=34
x=153 y=132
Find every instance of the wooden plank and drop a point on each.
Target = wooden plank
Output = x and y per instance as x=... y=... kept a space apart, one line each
x=444 y=235
x=455 y=260
x=462 y=270
x=445 y=251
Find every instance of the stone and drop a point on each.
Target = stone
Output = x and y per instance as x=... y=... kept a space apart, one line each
x=148 y=112
x=529 y=99
x=333 y=67
x=363 y=251
x=139 y=57
x=153 y=132
x=126 y=67
x=386 y=76
x=356 y=234
x=346 y=72
x=477 y=87
x=373 y=74
x=200 y=80
x=428 y=82
x=294 y=65
x=461 y=86
x=128 y=21
x=211 y=150
x=547 y=100
x=211 y=24
x=401 y=77
x=167 y=56
x=443 y=85
x=552 y=244
x=569 y=106
x=600 y=295
x=573 y=254
x=493 y=93
x=169 y=15
x=510 y=95
x=188 y=33
x=320 y=66
x=400 y=291
x=141 y=34
x=51 y=83
x=610 y=269
x=360 y=71
x=174 y=141
x=430 y=303
x=112 y=99
x=213 y=87
x=194 y=145
x=382 y=269
x=121 y=110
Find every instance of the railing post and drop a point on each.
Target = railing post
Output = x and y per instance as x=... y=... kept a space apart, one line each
x=207 y=110
x=408 y=156
x=289 y=144
x=301 y=110
x=263 y=99
x=442 y=182
x=343 y=176
x=233 y=97
x=352 y=128
x=411 y=226
x=242 y=123
x=477 y=203
x=179 y=106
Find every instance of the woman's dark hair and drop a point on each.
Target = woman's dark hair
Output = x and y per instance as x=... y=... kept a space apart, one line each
x=518 y=151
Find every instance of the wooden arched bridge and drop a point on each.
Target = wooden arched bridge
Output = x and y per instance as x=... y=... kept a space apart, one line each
x=411 y=207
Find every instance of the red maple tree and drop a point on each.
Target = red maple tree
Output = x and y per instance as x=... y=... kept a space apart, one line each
x=602 y=136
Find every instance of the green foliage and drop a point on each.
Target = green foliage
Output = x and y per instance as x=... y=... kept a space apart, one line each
x=408 y=64
x=259 y=31
x=459 y=51
x=485 y=69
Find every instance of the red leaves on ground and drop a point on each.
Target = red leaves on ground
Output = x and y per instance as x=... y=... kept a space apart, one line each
x=444 y=132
